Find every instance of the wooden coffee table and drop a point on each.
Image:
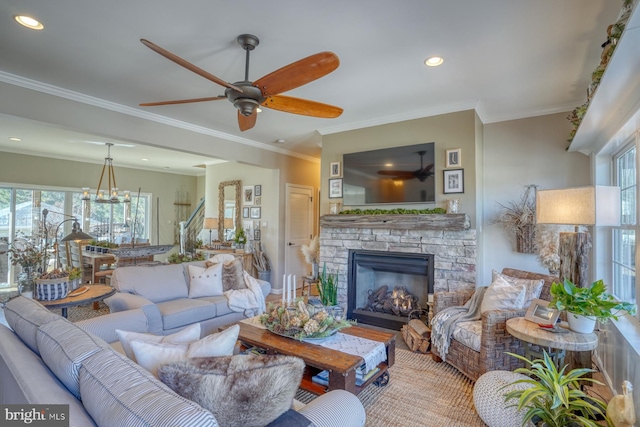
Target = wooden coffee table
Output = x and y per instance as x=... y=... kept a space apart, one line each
x=95 y=293
x=341 y=366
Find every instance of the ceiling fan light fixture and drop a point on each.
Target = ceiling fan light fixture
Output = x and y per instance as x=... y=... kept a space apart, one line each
x=433 y=61
x=246 y=106
x=29 y=22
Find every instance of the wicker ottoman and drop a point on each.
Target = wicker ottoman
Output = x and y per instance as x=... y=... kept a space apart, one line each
x=488 y=398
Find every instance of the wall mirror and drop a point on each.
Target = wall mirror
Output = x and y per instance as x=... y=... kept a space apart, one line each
x=229 y=213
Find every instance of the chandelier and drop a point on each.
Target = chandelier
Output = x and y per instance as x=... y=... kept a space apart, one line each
x=110 y=193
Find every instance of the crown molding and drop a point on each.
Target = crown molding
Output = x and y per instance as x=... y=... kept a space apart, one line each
x=112 y=106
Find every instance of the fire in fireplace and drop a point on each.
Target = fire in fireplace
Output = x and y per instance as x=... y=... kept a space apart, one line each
x=398 y=301
x=383 y=288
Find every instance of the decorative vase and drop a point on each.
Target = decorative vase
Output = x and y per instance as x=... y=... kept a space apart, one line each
x=264 y=275
x=26 y=280
x=314 y=270
x=453 y=206
x=581 y=324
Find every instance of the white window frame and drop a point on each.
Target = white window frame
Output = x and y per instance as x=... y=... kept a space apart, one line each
x=633 y=142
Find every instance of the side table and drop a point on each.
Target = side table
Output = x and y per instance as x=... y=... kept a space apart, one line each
x=94 y=294
x=532 y=334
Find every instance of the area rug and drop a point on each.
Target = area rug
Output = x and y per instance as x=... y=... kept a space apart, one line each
x=81 y=312
x=420 y=392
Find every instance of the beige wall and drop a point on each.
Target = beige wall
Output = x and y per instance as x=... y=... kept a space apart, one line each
x=41 y=171
x=455 y=130
x=517 y=153
x=290 y=170
x=498 y=160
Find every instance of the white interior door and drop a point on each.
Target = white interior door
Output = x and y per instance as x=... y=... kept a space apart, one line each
x=298 y=229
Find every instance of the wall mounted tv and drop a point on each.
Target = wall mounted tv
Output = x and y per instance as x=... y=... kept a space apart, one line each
x=391 y=175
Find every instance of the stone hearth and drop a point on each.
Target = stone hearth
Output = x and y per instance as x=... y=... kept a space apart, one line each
x=448 y=237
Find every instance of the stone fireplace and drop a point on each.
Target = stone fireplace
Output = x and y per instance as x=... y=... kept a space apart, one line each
x=444 y=244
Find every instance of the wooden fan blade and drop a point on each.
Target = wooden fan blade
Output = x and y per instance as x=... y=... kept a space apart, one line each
x=183 y=101
x=298 y=73
x=189 y=66
x=247 y=122
x=303 y=107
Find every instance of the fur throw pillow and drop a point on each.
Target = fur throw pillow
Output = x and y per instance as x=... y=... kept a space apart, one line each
x=244 y=390
x=233 y=276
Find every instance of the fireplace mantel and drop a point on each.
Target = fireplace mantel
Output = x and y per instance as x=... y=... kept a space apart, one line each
x=450 y=222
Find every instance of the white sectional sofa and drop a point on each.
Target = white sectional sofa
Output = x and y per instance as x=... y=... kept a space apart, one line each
x=162 y=292
x=45 y=359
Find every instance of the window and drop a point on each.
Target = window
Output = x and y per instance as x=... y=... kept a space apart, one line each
x=624 y=236
x=21 y=213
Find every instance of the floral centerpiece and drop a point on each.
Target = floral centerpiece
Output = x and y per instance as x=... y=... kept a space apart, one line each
x=298 y=323
x=25 y=253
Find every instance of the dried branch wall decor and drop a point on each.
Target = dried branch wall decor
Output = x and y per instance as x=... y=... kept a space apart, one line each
x=519 y=216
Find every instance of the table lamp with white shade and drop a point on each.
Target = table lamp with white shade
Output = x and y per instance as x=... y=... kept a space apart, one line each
x=592 y=205
x=210 y=224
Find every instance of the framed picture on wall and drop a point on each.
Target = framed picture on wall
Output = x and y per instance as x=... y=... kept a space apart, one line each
x=335 y=188
x=255 y=212
x=245 y=212
x=257 y=200
x=256 y=234
x=454 y=181
x=248 y=192
x=453 y=158
x=258 y=190
x=335 y=169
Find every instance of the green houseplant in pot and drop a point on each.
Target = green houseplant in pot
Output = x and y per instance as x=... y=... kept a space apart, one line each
x=585 y=306
x=554 y=398
x=327 y=288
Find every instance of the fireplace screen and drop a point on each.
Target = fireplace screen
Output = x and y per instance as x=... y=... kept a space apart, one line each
x=384 y=287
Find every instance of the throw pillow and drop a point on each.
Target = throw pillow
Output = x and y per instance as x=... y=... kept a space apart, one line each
x=187 y=335
x=205 y=282
x=534 y=287
x=500 y=295
x=245 y=390
x=233 y=276
x=152 y=355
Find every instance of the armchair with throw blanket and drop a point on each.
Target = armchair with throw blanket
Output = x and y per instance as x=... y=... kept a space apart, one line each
x=480 y=339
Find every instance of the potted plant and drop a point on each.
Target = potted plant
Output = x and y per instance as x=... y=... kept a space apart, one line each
x=554 y=398
x=311 y=254
x=520 y=217
x=241 y=238
x=586 y=305
x=327 y=288
x=25 y=253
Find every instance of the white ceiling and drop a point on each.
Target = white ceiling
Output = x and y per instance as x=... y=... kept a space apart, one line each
x=506 y=58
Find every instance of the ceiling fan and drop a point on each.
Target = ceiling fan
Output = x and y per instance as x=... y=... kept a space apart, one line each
x=422 y=174
x=246 y=96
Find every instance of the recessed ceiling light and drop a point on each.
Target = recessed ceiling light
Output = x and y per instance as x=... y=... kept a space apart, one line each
x=433 y=61
x=28 y=22
x=145 y=160
x=281 y=141
x=388 y=165
x=15 y=138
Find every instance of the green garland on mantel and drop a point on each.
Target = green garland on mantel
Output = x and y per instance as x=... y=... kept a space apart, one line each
x=397 y=211
x=614 y=32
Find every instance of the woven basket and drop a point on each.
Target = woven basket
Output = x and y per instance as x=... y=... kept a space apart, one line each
x=51 y=289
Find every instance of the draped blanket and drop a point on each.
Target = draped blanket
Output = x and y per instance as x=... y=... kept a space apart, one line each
x=249 y=300
x=444 y=323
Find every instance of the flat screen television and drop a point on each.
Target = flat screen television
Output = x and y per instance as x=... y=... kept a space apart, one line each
x=390 y=175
